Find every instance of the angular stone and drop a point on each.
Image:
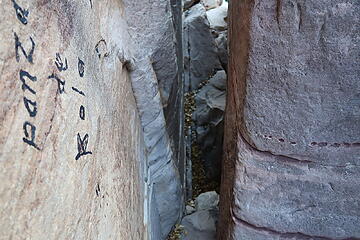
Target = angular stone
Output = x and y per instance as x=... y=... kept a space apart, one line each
x=218 y=17
x=208 y=117
x=200 y=52
x=222 y=46
x=200 y=225
x=189 y=210
x=206 y=201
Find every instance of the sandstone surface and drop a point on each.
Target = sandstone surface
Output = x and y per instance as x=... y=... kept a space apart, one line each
x=91 y=119
x=72 y=151
x=292 y=149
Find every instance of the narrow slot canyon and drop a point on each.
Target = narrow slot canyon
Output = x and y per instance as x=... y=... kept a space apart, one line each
x=180 y=119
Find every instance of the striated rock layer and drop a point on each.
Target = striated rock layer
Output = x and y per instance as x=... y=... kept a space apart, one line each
x=157 y=84
x=292 y=145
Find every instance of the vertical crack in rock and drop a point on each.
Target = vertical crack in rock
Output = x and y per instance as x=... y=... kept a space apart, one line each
x=205 y=73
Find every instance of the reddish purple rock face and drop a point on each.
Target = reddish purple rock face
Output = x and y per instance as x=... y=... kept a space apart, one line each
x=292 y=134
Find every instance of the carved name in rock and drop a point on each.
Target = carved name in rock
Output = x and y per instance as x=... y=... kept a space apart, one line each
x=71 y=143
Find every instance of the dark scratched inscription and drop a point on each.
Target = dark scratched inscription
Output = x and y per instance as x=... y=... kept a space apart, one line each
x=31 y=107
x=61 y=66
x=21 y=13
x=25 y=77
x=82 y=112
x=24 y=74
x=28 y=56
x=61 y=83
x=78 y=91
x=82 y=146
x=30 y=137
x=81 y=67
x=81 y=142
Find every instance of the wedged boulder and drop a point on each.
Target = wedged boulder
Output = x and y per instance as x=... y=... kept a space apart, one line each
x=201 y=221
x=200 y=52
x=200 y=225
x=291 y=145
x=206 y=201
x=208 y=118
x=218 y=17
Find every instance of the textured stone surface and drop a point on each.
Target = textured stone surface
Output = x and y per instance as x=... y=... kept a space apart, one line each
x=46 y=193
x=155 y=81
x=206 y=201
x=208 y=118
x=221 y=43
x=189 y=3
x=200 y=225
x=205 y=54
x=200 y=52
x=292 y=150
x=308 y=82
x=218 y=17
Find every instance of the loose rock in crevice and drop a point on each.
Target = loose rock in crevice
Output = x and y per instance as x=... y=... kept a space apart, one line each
x=205 y=73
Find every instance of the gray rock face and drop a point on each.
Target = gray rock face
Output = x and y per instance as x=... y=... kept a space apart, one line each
x=189 y=3
x=206 y=201
x=292 y=149
x=205 y=52
x=200 y=52
x=189 y=209
x=208 y=118
x=155 y=81
x=221 y=43
x=200 y=225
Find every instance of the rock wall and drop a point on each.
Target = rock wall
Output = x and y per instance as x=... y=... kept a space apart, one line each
x=157 y=85
x=91 y=108
x=71 y=142
x=292 y=149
